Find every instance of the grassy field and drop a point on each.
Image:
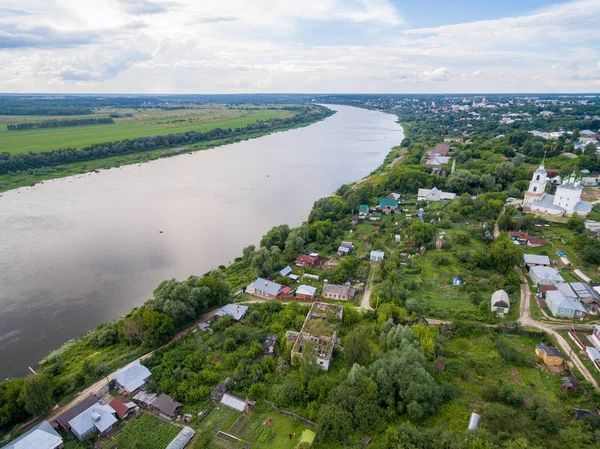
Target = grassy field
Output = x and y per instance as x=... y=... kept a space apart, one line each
x=146 y=123
x=152 y=432
x=262 y=428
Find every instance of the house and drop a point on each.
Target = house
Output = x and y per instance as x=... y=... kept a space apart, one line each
x=131 y=378
x=220 y=390
x=62 y=420
x=305 y=260
x=267 y=289
x=182 y=439
x=363 y=211
x=306 y=292
x=534 y=260
x=287 y=270
x=434 y=195
x=339 y=292
x=562 y=306
x=595 y=338
x=123 y=409
x=500 y=302
x=98 y=418
x=388 y=205
x=436 y=160
x=550 y=355
x=377 y=256
x=166 y=406
x=545 y=276
x=345 y=248
x=42 y=436
x=520 y=237
x=236 y=311
x=237 y=403
x=395 y=196
x=592 y=353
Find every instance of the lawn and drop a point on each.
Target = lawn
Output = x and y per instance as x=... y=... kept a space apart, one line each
x=152 y=432
x=48 y=139
x=262 y=428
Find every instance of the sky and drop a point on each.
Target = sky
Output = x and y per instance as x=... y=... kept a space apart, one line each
x=302 y=46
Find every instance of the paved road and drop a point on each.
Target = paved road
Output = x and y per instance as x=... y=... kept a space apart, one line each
x=527 y=319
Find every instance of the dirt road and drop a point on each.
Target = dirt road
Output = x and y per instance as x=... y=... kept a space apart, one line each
x=365 y=303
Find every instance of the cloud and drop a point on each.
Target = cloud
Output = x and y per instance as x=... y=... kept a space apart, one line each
x=216 y=19
x=14 y=36
x=441 y=74
x=142 y=7
x=4 y=12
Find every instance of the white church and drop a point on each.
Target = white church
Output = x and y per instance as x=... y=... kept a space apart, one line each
x=565 y=202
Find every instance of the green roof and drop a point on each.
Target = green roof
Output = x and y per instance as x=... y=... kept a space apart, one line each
x=388 y=202
x=363 y=208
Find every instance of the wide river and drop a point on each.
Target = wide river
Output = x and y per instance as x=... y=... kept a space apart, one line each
x=80 y=251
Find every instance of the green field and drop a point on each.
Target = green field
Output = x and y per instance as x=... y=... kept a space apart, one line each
x=141 y=125
x=152 y=432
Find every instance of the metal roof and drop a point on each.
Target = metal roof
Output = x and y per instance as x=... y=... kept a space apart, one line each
x=306 y=290
x=547 y=274
x=234 y=402
x=42 y=436
x=536 y=259
x=287 y=270
x=64 y=418
x=100 y=417
x=269 y=287
x=132 y=376
x=236 y=311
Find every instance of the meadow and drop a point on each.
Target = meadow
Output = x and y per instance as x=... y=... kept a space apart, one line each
x=141 y=124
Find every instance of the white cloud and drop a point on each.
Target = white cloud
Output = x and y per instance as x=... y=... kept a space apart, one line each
x=237 y=46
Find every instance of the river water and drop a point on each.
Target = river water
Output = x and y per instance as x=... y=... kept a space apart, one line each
x=77 y=252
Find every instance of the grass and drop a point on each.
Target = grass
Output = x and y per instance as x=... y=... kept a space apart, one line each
x=153 y=432
x=48 y=139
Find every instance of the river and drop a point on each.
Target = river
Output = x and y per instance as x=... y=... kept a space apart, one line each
x=76 y=252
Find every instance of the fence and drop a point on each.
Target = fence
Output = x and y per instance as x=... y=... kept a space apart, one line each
x=292 y=415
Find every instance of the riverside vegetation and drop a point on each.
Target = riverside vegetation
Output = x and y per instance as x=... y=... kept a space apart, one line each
x=384 y=383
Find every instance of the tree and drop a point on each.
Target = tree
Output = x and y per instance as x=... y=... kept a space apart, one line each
x=576 y=224
x=505 y=223
x=504 y=254
x=505 y=173
x=275 y=237
x=263 y=261
x=421 y=234
x=37 y=395
x=248 y=253
x=356 y=347
x=295 y=242
x=463 y=181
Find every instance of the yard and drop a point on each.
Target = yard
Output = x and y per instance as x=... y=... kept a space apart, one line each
x=152 y=432
x=262 y=428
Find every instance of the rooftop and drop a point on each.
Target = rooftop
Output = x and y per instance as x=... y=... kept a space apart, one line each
x=132 y=376
x=42 y=436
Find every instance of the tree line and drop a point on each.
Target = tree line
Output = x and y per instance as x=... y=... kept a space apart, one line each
x=25 y=161
x=59 y=123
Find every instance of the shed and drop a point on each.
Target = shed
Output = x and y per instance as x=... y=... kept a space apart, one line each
x=474 y=421
x=377 y=256
x=533 y=260
x=235 y=402
x=500 y=302
x=287 y=270
x=306 y=291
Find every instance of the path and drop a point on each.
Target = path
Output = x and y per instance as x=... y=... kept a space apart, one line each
x=104 y=381
x=527 y=319
x=365 y=303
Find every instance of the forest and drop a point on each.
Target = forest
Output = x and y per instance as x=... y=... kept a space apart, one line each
x=59 y=123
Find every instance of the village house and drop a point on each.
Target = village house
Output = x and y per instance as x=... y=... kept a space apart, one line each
x=131 y=378
x=98 y=418
x=307 y=260
x=441 y=148
x=394 y=196
x=41 y=436
x=307 y=292
x=525 y=239
x=267 y=289
x=345 y=248
x=220 y=390
x=339 y=292
x=545 y=276
x=363 y=211
x=550 y=355
x=124 y=409
x=434 y=195
x=500 y=303
x=534 y=260
x=166 y=406
x=376 y=256
x=236 y=311
x=62 y=420
x=388 y=205
x=564 y=307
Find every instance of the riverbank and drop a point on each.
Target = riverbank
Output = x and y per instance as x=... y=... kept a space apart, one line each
x=34 y=176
